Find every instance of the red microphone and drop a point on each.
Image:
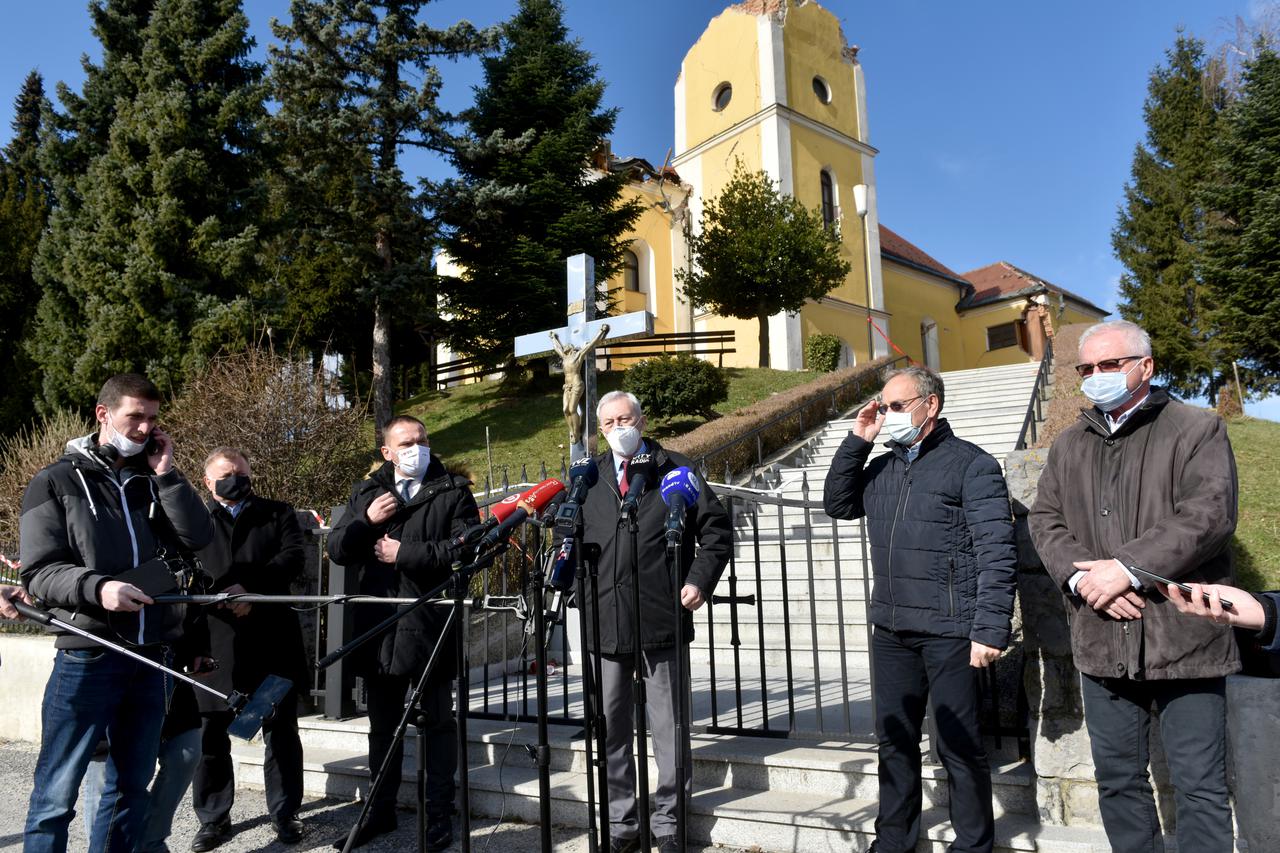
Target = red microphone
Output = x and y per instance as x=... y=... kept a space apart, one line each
x=512 y=513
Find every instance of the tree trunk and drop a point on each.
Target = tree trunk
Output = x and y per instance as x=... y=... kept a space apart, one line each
x=764 y=340
x=381 y=369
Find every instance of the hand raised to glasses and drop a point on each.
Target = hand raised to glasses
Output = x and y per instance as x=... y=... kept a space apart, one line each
x=868 y=422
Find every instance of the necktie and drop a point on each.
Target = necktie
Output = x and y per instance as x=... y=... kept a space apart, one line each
x=404 y=490
x=622 y=484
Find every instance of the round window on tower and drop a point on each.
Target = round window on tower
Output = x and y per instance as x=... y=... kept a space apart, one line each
x=722 y=97
x=822 y=90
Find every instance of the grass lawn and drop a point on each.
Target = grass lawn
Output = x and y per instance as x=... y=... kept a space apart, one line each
x=529 y=430
x=1256 y=444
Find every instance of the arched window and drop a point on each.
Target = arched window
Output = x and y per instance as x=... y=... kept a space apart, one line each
x=720 y=99
x=828 y=199
x=822 y=90
x=630 y=272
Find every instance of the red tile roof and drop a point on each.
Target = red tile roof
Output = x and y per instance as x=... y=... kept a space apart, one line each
x=1002 y=280
x=895 y=246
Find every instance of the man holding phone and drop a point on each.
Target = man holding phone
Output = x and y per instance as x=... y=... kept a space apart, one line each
x=108 y=506
x=1143 y=482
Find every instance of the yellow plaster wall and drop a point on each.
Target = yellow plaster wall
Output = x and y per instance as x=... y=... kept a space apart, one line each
x=812 y=152
x=727 y=52
x=848 y=325
x=813 y=44
x=974 y=325
x=746 y=337
x=910 y=296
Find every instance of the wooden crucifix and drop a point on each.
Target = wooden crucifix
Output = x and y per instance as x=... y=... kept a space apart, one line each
x=574 y=343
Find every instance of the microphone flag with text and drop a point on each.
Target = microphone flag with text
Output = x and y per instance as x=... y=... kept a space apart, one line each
x=509 y=513
x=640 y=471
x=583 y=474
x=680 y=490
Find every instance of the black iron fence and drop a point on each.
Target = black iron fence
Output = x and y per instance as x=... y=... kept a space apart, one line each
x=1039 y=394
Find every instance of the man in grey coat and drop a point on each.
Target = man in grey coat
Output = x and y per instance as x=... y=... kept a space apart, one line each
x=107 y=507
x=1143 y=481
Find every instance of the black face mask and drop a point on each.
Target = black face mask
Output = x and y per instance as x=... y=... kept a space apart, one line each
x=234 y=487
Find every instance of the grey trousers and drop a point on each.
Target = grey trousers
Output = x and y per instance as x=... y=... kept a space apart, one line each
x=660 y=710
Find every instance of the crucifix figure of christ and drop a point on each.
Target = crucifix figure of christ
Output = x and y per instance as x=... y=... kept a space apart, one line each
x=574 y=342
x=575 y=388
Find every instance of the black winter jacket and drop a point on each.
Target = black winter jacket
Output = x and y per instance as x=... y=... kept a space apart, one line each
x=704 y=552
x=84 y=522
x=442 y=509
x=262 y=549
x=941 y=535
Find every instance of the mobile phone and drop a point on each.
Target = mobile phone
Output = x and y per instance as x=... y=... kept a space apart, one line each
x=1182 y=586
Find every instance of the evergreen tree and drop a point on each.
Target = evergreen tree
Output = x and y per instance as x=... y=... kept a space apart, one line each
x=153 y=258
x=1157 y=234
x=24 y=208
x=524 y=199
x=1242 y=243
x=357 y=83
x=759 y=252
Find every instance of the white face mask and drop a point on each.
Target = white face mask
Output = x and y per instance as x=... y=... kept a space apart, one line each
x=624 y=440
x=120 y=442
x=900 y=427
x=413 y=461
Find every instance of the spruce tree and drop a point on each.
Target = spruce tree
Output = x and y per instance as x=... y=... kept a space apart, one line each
x=357 y=83
x=160 y=245
x=759 y=252
x=24 y=209
x=525 y=199
x=1157 y=234
x=1241 y=257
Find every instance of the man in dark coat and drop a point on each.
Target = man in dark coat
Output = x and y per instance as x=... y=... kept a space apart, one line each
x=705 y=552
x=109 y=506
x=257 y=548
x=1140 y=480
x=398 y=531
x=944 y=562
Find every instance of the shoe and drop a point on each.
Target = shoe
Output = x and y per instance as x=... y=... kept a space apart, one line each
x=211 y=835
x=372 y=828
x=624 y=845
x=439 y=833
x=288 y=829
x=667 y=844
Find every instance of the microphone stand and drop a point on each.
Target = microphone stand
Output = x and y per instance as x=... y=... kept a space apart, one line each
x=675 y=548
x=594 y=725
x=637 y=680
x=540 y=689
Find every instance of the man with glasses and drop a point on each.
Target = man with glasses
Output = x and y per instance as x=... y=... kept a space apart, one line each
x=943 y=558
x=1143 y=481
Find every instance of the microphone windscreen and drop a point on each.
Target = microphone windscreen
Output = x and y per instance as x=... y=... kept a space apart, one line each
x=585 y=467
x=506 y=506
x=680 y=481
x=537 y=498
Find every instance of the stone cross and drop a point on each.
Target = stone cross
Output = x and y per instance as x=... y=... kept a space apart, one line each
x=581 y=330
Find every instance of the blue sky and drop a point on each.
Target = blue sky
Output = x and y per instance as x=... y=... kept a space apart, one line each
x=1006 y=128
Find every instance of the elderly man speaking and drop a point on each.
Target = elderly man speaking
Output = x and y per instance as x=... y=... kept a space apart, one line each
x=943 y=555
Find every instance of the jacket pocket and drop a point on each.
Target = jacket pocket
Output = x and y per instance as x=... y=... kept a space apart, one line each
x=951 y=585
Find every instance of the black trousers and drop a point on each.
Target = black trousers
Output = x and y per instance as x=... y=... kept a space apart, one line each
x=1193 y=727
x=213 y=790
x=910 y=670
x=385 y=695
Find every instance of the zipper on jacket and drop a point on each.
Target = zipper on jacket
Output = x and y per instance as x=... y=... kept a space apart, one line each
x=951 y=584
x=893 y=529
x=128 y=520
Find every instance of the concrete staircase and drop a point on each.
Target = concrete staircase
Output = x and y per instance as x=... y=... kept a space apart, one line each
x=799 y=666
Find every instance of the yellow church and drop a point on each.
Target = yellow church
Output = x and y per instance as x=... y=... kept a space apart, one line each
x=775 y=84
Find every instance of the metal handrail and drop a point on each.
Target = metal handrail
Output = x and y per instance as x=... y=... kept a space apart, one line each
x=799 y=409
x=1039 y=393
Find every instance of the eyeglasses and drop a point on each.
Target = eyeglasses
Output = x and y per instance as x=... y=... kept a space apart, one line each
x=1107 y=365
x=899 y=406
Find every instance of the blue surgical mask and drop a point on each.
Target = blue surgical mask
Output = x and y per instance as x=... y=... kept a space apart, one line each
x=1108 y=391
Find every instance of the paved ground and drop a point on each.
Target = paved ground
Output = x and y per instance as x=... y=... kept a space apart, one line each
x=325 y=820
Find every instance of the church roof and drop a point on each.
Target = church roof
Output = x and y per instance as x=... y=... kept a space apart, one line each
x=1002 y=280
x=893 y=245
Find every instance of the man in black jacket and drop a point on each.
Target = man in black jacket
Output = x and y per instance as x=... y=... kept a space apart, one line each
x=111 y=504
x=707 y=542
x=943 y=557
x=257 y=548
x=398 y=530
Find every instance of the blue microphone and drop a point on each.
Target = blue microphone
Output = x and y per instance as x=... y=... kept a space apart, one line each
x=680 y=488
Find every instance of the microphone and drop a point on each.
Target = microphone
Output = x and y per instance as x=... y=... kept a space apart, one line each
x=561 y=575
x=498 y=513
x=547 y=517
x=583 y=474
x=530 y=503
x=679 y=489
x=640 y=471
